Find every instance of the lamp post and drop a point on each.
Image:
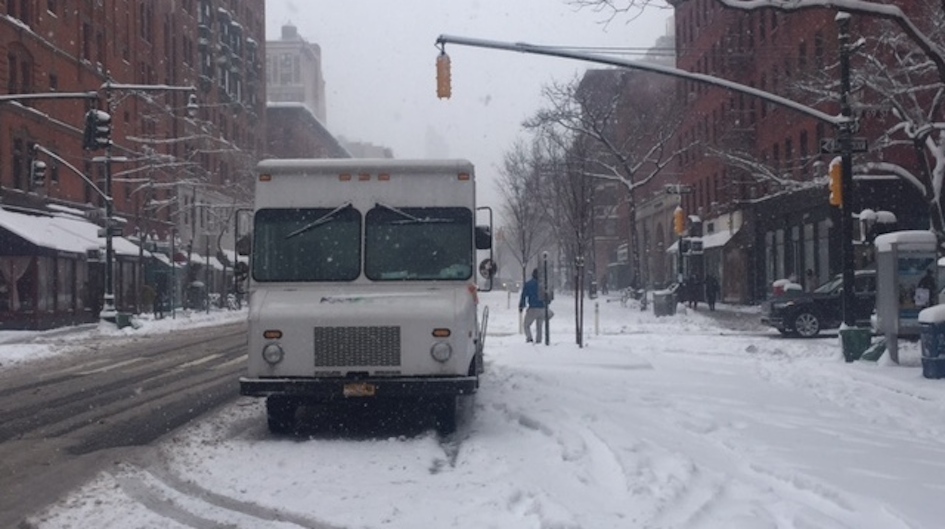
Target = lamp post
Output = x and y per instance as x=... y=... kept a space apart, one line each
x=98 y=136
x=845 y=135
x=544 y=258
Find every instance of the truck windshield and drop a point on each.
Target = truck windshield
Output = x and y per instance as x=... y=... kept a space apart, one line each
x=421 y=244
x=307 y=244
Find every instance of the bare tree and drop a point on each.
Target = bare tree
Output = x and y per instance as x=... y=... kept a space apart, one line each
x=905 y=68
x=628 y=138
x=568 y=192
x=524 y=217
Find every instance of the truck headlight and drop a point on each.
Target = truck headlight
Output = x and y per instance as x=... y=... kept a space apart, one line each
x=273 y=353
x=441 y=351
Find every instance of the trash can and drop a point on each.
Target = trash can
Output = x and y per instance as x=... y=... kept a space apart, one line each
x=932 y=335
x=122 y=320
x=855 y=341
x=664 y=303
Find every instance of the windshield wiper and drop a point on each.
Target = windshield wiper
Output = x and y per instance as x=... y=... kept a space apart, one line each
x=324 y=219
x=410 y=218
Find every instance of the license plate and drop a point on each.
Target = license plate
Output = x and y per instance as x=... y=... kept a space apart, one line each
x=360 y=390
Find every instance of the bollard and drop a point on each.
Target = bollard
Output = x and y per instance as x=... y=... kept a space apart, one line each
x=596 y=318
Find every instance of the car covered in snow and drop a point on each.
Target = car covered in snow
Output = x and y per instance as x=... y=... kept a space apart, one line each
x=798 y=313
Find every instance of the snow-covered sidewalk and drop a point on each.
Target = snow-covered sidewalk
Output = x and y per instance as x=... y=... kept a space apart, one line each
x=656 y=423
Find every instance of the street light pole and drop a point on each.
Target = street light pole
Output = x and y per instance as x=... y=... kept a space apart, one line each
x=845 y=136
x=546 y=299
x=109 y=311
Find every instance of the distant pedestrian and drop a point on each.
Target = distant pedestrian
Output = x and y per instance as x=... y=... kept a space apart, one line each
x=532 y=299
x=711 y=290
x=694 y=286
x=810 y=282
x=926 y=290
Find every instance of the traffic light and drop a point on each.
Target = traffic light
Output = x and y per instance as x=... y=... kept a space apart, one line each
x=98 y=130
x=443 y=83
x=679 y=221
x=192 y=105
x=38 y=173
x=836 y=184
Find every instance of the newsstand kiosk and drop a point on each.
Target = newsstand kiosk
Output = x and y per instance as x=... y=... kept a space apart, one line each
x=903 y=260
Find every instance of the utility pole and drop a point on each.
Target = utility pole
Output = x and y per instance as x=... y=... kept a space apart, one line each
x=546 y=299
x=854 y=341
x=845 y=136
x=102 y=133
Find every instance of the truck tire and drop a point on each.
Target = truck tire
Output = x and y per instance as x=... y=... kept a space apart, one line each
x=280 y=411
x=444 y=413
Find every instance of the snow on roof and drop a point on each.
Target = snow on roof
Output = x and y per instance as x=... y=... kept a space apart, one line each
x=712 y=240
x=933 y=314
x=719 y=238
x=198 y=258
x=61 y=232
x=914 y=239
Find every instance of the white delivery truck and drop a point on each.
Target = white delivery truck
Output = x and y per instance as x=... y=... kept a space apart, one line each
x=363 y=285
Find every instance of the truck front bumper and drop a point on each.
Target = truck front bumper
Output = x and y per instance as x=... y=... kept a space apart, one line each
x=323 y=389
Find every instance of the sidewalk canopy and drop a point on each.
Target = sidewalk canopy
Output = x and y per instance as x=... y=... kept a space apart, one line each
x=57 y=233
x=712 y=240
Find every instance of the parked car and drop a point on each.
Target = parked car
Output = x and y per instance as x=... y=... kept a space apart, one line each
x=795 y=312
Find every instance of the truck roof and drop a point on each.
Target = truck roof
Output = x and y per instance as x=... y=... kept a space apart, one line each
x=364 y=182
x=313 y=166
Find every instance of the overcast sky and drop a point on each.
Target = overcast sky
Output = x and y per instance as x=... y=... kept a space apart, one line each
x=379 y=66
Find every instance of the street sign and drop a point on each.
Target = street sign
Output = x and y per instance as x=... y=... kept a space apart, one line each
x=832 y=145
x=678 y=189
x=116 y=231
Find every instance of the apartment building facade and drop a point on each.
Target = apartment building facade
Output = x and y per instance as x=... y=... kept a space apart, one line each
x=161 y=152
x=755 y=170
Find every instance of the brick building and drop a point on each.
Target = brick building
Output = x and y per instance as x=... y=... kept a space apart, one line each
x=755 y=170
x=215 y=46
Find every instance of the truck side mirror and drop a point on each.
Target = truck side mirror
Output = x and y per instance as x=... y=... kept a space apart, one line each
x=483 y=237
x=244 y=244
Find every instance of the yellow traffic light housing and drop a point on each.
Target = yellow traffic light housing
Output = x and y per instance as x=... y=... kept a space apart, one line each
x=443 y=83
x=679 y=221
x=836 y=184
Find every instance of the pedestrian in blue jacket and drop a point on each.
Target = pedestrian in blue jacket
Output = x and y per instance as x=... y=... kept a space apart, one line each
x=532 y=299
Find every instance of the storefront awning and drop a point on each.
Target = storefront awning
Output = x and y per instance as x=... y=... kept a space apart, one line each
x=712 y=240
x=61 y=232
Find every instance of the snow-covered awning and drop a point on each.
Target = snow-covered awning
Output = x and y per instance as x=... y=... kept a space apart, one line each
x=712 y=240
x=61 y=232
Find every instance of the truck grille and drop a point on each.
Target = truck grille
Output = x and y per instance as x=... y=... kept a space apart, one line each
x=357 y=346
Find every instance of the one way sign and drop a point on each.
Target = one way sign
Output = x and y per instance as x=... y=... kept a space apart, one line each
x=832 y=145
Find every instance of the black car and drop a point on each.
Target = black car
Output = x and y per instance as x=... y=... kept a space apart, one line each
x=805 y=313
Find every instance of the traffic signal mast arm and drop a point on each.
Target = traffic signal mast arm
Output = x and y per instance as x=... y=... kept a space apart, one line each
x=59 y=159
x=555 y=51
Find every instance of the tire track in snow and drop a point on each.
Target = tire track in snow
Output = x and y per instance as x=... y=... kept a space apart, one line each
x=175 y=498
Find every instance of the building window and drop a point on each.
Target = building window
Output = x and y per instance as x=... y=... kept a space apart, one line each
x=18 y=164
x=19 y=9
x=802 y=144
x=819 y=50
x=86 y=41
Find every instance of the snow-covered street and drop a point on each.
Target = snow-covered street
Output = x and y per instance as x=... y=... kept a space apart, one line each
x=657 y=423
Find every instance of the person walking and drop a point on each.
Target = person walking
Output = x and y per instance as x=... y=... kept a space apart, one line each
x=926 y=292
x=711 y=290
x=532 y=300
x=694 y=292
